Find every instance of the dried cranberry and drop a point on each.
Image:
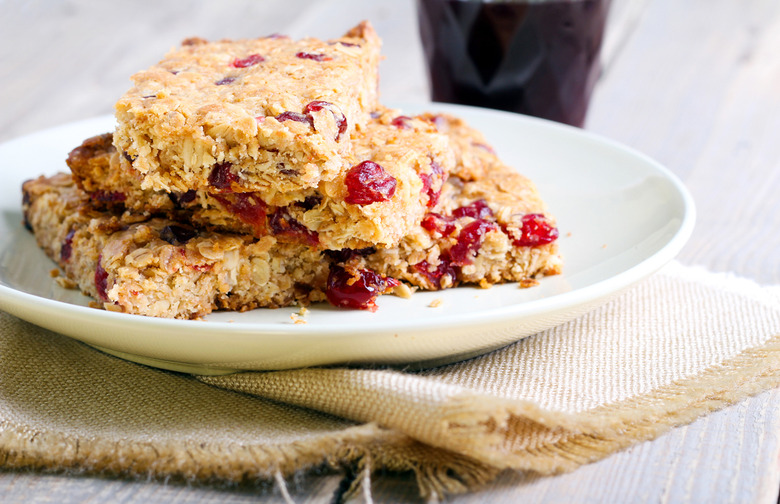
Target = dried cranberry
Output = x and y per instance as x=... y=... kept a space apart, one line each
x=344 y=255
x=536 y=231
x=128 y=157
x=26 y=202
x=286 y=171
x=475 y=210
x=338 y=115
x=469 y=240
x=185 y=198
x=252 y=59
x=226 y=80
x=435 y=276
x=313 y=56
x=248 y=207
x=484 y=147
x=177 y=235
x=401 y=122
x=368 y=183
x=101 y=279
x=282 y=224
x=222 y=177
x=357 y=288
x=440 y=123
x=107 y=196
x=346 y=44
x=434 y=222
x=295 y=116
x=428 y=188
x=310 y=201
x=67 y=246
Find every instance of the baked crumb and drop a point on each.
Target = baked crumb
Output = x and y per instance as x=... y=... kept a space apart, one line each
x=299 y=318
x=54 y=273
x=435 y=303
x=65 y=283
x=402 y=290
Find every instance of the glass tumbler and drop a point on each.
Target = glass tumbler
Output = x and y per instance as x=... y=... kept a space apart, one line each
x=535 y=57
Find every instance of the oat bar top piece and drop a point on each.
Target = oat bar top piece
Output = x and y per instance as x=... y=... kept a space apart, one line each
x=271 y=107
x=394 y=176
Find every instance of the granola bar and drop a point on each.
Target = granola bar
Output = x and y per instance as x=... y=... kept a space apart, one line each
x=162 y=268
x=267 y=113
x=396 y=172
x=482 y=232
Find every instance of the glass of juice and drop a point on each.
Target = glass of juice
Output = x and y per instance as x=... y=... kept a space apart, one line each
x=535 y=57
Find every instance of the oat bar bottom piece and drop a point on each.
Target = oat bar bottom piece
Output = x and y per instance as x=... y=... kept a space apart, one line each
x=482 y=232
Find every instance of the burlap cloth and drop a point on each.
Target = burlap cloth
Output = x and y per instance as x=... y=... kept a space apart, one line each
x=681 y=343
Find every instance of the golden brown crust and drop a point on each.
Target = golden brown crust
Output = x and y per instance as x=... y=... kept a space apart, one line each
x=222 y=102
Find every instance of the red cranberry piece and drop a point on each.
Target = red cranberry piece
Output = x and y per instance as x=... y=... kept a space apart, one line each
x=177 y=235
x=67 y=246
x=470 y=239
x=294 y=116
x=484 y=147
x=26 y=202
x=344 y=255
x=536 y=231
x=401 y=122
x=368 y=183
x=252 y=59
x=475 y=210
x=248 y=207
x=437 y=223
x=437 y=172
x=282 y=224
x=310 y=201
x=107 y=196
x=356 y=288
x=182 y=199
x=440 y=123
x=435 y=276
x=226 y=80
x=313 y=56
x=286 y=171
x=338 y=115
x=101 y=279
x=222 y=177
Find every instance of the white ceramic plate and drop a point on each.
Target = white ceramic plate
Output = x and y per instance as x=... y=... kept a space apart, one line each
x=621 y=216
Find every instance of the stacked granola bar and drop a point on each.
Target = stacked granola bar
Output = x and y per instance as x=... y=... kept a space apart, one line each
x=265 y=173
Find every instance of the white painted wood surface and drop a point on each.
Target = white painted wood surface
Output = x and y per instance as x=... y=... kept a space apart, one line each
x=693 y=84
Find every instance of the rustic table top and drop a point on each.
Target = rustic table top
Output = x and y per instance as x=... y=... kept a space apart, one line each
x=695 y=85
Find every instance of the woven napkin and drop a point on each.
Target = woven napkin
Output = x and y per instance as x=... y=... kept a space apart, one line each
x=679 y=344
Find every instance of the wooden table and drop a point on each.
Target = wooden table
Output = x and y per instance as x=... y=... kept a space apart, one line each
x=693 y=84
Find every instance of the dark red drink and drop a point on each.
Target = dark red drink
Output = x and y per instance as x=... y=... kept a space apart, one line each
x=529 y=56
